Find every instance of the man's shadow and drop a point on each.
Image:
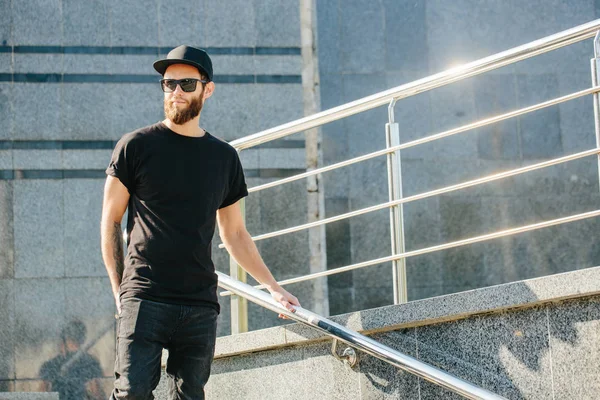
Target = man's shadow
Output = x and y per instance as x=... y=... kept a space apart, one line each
x=73 y=373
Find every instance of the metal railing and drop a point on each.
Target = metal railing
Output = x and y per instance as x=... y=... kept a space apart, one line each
x=361 y=342
x=392 y=151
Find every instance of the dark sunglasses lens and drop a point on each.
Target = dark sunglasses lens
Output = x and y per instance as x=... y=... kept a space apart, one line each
x=188 y=85
x=168 y=85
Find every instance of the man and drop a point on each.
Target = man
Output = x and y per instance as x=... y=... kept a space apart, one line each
x=178 y=181
x=73 y=373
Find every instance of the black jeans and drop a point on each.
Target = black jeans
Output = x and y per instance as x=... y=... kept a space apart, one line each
x=144 y=328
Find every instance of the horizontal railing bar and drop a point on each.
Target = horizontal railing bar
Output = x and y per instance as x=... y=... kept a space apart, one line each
x=477 y=67
x=445 y=246
x=358 y=341
x=431 y=193
x=431 y=138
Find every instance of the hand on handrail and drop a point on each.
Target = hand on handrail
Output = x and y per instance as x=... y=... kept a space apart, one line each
x=284 y=298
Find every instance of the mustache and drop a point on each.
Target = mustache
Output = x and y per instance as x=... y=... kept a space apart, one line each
x=172 y=101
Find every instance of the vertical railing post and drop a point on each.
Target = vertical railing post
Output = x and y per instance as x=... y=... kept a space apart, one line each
x=595 y=79
x=392 y=138
x=239 y=305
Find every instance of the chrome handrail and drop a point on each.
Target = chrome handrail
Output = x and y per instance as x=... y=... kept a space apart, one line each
x=358 y=341
x=430 y=138
x=425 y=195
x=540 y=46
x=447 y=133
x=390 y=97
x=445 y=246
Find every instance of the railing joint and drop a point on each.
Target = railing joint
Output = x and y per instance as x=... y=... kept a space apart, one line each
x=348 y=356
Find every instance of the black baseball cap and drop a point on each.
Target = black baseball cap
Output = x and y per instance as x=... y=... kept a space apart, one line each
x=186 y=55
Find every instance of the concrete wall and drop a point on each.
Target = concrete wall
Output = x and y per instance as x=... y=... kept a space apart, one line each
x=533 y=339
x=74 y=77
x=366 y=47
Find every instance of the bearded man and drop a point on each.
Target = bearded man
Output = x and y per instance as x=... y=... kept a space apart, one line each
x=178 y=181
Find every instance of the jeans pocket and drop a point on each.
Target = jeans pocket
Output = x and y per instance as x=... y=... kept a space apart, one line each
x=126 y=319
x=116 y=367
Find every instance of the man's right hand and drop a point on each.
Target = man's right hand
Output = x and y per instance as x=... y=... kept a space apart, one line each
x=118 y=304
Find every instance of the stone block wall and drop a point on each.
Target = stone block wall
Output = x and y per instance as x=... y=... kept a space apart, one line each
x=367 y=47
x=74 y=77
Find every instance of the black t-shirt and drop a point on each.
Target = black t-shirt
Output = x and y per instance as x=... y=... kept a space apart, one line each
x=176 y=184
x=70 y=383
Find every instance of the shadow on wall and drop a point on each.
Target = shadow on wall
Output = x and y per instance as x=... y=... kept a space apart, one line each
x=74 y=371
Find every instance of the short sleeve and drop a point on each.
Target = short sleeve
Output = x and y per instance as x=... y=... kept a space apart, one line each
x=237 y=188
x=122 y=163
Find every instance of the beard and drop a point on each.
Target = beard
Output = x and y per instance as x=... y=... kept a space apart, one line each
x=180 y=116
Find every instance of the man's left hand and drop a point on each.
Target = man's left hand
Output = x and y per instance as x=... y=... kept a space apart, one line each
x=286 y=299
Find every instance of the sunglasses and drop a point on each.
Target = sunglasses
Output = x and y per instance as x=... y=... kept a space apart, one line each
x=187 y=84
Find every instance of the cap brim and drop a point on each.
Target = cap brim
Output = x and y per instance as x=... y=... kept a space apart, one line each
x=161 y=65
